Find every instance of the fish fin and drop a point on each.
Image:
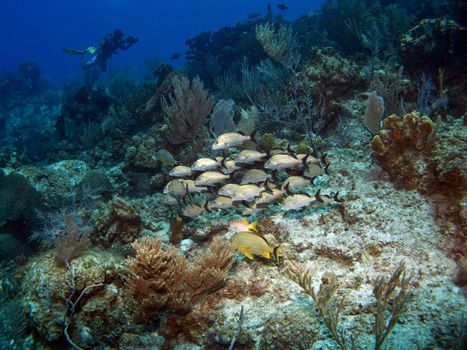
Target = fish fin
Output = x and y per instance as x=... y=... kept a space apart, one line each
x=248 y=255
x=207 y=208
x=274 y=175
x=324 y=160
x=245 y=221
x=318 y=196
x=241 y=132
x=253 y=226
x=275 y=253
x=287 y=188
x=253 y=135
x=325 y=169
x=267 y=188
x=312 y=180
x=336 y=197
x=289 y=149
x=305 y=160
x=246 y=204
x=276 y=148
x=245 y=251
x=266 y=255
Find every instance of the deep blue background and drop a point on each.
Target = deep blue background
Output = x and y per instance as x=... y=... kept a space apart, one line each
x=39 y=29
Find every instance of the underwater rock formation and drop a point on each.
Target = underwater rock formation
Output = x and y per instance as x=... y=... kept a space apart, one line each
x=330 y=79
x=439 y=39
x=48 y=290
x=94 y=183
x=398 y=145
x=419 y=155
x=20 y=201
x=121 y=263
x=412 y=150
x=79 y=110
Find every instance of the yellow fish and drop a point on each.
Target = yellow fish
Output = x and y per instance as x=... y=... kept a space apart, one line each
x=242 y=225
x=249 y=244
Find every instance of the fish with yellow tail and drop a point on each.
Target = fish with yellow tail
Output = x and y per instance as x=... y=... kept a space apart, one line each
x=242 y=225
x=250 y=244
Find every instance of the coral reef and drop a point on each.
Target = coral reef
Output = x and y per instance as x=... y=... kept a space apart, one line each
x=48 y=288
x=328 y=80
x=95 y=183
x=95 y=253
x=80 y=110
x=417 y=155
x=399 y=143
x=188 y=110
x=437 y=38
x=165 y=281
x=118 y=222
x=20 y=200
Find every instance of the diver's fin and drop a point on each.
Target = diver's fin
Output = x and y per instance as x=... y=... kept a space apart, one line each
x=74 y=51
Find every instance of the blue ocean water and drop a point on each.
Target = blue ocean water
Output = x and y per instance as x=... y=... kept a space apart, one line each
x=38 y=30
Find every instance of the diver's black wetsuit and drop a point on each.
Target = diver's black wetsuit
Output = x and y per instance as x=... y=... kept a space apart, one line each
x=109 y=46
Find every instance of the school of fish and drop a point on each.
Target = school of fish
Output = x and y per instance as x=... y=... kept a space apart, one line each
x=248 y=180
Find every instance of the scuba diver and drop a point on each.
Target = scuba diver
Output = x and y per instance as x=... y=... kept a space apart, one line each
x=107 y=47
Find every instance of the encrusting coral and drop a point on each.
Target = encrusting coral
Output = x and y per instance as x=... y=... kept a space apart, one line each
x=119 y=222
x=164 y=280
x=399 y=144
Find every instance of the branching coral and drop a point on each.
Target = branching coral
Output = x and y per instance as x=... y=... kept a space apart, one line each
x=163 y=280
x=189 y=108
x=72 y=243
x=385 y=294
x=280 y=45
x=326 y=306
x=324 y=300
